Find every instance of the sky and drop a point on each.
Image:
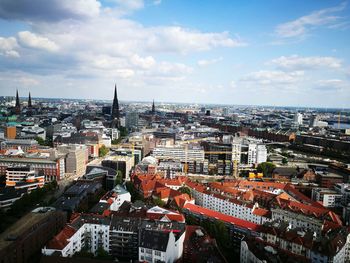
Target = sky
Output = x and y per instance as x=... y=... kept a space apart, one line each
x=248 y=52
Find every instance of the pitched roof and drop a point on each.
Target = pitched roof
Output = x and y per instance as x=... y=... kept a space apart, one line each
x=219 y=216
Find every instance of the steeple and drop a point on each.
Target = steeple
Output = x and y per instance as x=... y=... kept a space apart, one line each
x=30 y=101
x=18 y=105
x=115 y=108
x=153 y=108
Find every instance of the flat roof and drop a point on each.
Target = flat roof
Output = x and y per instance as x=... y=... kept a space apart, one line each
x=23 y=224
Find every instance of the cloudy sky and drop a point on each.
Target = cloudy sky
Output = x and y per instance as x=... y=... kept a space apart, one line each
x=232 y=52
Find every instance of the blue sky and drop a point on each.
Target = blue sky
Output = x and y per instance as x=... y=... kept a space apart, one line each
x=230 y=52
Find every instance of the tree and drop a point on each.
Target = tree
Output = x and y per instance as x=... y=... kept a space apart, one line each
x=103 y=151
x=119 y=177
x=284 y=161
x=40 y=140
x=159 y=202
x=266 y=168
x=123 y=132
x=185 y=190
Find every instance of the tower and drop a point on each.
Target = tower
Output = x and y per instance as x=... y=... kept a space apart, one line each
x=30 y=106
x=115 y=109
x=30 y=101
x=153 y=108
x=18 y=105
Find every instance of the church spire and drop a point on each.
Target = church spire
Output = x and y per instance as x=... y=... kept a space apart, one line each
x=30 y=101
x=18 y=105
x=115 y=108
x=153 y=108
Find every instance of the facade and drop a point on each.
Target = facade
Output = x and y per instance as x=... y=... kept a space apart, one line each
x=76 y=158
x=52 y=169
x=279 y=242
x=328 y=198
x=161 y=242
x=257 y=153
x=25 y=145
x=85 y=232
x=116 y=197
x=179 y=153
x=23 y=177
x=132 y=120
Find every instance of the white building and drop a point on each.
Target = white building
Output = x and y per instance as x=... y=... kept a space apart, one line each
x=116 y=197
x=257 y=153
x=161 y=244
x=179 y=153
x=33 y=132
x=328 y=197
x=87 y=231
x=298 y=118
x=248 y=212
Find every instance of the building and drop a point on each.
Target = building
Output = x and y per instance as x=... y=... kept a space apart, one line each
x=257 y=153
x=115 y=114
x=8 y=195
x=120 y=163
x=327 y=197
x=327 y=179
x=124 y=237
x=84 y=232
x=76 y=158
x=179 y=153
x=25 y=145
x=161 y=241
x=298 y=118
x=51 y=168
x=23 y=177
x=116 y=197
x=132 y=120
x=29 y=234
x=279 y=242
x=33 y=132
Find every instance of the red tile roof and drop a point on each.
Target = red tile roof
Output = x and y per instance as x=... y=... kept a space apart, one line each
x=60 y=241
x=219 y=216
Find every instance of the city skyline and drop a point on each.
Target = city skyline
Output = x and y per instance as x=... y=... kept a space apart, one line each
x=227 y=53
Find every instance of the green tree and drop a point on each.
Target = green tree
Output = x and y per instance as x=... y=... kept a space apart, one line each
x=159 y=202
x=185 y=190
x=284 y=161
x=103 y=151
x=118 y=177
x=40 y=140
x=266 y=168
x=123 y=132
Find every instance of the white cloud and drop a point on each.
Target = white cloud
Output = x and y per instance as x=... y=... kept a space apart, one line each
x=157 y=2
x=296 y=62
x=145 y=63
x=207 y=62
x=8 y=46
x=183 y=40
x=31 y=40
x=301 y=26
x=27 y=81
x=273 y=77
x=331 y=84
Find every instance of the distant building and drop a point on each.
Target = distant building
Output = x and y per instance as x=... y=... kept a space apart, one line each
x=257 y=153
x=132 y=120
x=298 y=118
x=76 y=158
